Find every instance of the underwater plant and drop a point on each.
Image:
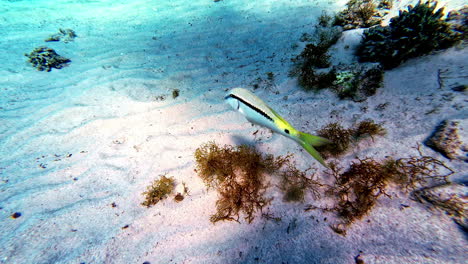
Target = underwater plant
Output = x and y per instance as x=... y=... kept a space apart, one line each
x=418 y=171
x=314 y=56
x=367 y=128
x=66 y=35
x=238 y=174
x=158 y=190
x=414 y=32
x=175 y=93
x=310 y=79
x=358 y=14
x=358 y=187
x=338 y=135
x=44 y=59
x=342 y=138
x=458 y=20
x=296 y=183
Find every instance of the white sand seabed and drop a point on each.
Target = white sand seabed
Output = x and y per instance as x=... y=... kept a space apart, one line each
x=103 y=110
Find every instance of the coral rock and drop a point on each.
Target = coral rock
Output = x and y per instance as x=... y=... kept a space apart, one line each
x=44 y=59
x=449 y=139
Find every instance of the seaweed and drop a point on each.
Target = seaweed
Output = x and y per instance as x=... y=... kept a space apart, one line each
x=358 y=187
x=368 y=128
x=66 y=35
x=309 y=79
x=458 y=20
x=325 y=20
x=338 y=135
x=158 y=190
x=314 y=56
x=342 y=138
x=175 y=93
x=44 y=59
x=418 y=171
x=238 y=174
x=414 y=32
x=295 y=184
x=358 y=14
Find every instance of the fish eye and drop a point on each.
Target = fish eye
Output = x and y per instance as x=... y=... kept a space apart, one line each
x=286 y=131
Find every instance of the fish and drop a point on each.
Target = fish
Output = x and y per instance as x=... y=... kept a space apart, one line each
x=256 y=111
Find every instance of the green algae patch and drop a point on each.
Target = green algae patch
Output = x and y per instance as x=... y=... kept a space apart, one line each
x=158 y=190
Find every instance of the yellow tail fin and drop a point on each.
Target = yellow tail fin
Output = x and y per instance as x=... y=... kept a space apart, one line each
x=308 y=141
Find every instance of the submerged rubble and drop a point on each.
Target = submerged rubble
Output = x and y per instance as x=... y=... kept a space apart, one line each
x=44 y=59
x=449 y=139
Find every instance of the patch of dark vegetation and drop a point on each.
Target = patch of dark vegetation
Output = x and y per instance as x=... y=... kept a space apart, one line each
x=358 y=187
x=342 y=138
x=315 y=57
x=65 y=35
x=158 y=190
x=413 y=33
x=458 y=20
x=44 y=59
x=175 y=93
x=295 y=184
x=311 y=79
x=339 y=136
x=238 y=174
x=313 y=75
x=359 y=14
x=326 y=34
x=368 y=128
x=418 y=171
